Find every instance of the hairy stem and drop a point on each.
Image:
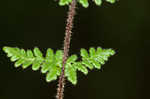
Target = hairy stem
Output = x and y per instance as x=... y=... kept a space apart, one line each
x=69 y=25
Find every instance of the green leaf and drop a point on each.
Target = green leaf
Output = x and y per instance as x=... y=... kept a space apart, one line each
x=87 y=64
x=14 y=58
x=59 y=54
x=58 y=71
x=92 y=52
x=96 y=64
x=101 y=60
x=97 y=57
x=23 y=53
x=72 y=59
x=36 y=64
x=19 y=62
x=111 y=52
x=98 y=2
x=49 y=55
x=26 y=64
x=29 y=54
x=84 y=3
x=105 y=54
x=64 y=2
x=49 y=61
x=80 y=67
x=46 y=67
x=99 y=50
x=27 y=58
x=11 y=51
x=111 y=1
x=71 y=75
x=5 y=49
x=37 y=52
x=84 y=53
x=59 y=58
x=52 y=74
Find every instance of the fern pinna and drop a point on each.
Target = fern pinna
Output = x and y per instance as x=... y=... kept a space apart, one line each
x=84 y=3
x=51 y=64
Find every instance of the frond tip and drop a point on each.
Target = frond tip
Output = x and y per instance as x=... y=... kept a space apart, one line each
x=51 y=64
x=95 y=58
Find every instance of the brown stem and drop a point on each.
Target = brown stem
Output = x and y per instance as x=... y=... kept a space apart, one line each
x=67 y=38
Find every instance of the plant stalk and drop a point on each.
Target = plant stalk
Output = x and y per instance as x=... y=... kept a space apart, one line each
x=68 y=32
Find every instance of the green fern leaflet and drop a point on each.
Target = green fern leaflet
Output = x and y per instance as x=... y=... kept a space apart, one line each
x=51 y=64
x=84 y=3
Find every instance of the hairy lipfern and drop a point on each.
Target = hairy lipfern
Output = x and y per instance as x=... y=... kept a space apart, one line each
x=51 y=64
x=84 y=3
x=59 y=64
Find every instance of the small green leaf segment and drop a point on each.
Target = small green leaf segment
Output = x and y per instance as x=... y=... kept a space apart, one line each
x=84 y=3
x=51 y=64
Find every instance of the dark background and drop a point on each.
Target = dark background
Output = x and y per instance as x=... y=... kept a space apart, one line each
x=123 y=26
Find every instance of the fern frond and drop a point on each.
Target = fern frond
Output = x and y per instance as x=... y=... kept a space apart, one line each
x=24 y=58
x=84 y=3
x=51 y=64
x=95 y=58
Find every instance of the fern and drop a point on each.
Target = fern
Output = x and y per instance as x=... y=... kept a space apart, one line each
x=51 y=64
x=84 y=3
x=58 y=64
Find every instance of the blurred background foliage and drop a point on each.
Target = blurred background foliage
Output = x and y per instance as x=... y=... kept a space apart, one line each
x=123 y=26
